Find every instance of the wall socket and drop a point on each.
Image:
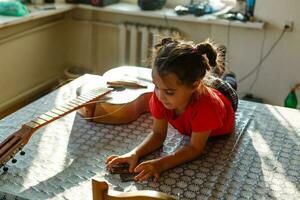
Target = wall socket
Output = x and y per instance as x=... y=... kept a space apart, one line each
x=288 y=25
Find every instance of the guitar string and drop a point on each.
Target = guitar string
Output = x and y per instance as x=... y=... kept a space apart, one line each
x=83 y=118
x=88 y=118
x=33 y=114
x=35 y=111
x=59 y=85
x=101 y=116
x=53 y=89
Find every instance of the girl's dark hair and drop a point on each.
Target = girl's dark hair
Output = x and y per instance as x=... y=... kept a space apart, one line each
x=187 y=60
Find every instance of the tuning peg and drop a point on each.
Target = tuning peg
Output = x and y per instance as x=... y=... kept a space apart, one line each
x=5 y=169
x=14 y=160
x=22 y=153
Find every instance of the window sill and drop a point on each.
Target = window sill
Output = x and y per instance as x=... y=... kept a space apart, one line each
x=134 y=10
x=127 y=9
x=36 y=12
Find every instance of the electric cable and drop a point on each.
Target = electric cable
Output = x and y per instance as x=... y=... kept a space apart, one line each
x=166 y=20
x=264 y=58
x=228 y=44
x=260 y=58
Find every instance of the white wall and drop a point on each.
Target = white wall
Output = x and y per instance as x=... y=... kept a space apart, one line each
x=31 y=62
x=280 y=70
x=34 y=59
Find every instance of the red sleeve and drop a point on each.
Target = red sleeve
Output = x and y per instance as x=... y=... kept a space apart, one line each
x=207 y=116
x=156 y=107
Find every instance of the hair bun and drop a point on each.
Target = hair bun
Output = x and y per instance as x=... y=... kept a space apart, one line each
x=165 y=42
x=208 y=50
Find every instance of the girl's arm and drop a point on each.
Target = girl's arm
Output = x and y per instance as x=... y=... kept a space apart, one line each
x=154 y=140
x=185 y=154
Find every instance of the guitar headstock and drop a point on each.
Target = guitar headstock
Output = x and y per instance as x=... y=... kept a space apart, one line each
x=14 y=144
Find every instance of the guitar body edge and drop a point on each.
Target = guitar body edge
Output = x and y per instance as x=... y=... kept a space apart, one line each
x=107 y=113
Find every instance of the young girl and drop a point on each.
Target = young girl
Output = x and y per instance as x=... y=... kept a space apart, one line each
x=183 y=99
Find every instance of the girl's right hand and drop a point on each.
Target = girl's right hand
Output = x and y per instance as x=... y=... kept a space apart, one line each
x=130 y=158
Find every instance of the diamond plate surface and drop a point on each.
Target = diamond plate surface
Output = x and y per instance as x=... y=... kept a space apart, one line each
x=261 y=160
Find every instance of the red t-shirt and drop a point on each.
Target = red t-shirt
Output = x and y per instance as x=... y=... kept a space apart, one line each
x=209 y=112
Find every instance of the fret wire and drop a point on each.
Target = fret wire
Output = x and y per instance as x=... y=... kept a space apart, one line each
x=78 y=101
x=39 y=121
x=83 y=98
x=72 y=104
x=62 y=109
x=65 y=107
x=88 y=97
x=45 y=117
x=93 y=93
x=51 y=114
x=57 y=111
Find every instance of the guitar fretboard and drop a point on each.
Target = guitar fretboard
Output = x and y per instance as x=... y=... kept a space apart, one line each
x=67 y=108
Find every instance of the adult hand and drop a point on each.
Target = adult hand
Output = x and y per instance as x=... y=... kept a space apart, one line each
x=130 y=158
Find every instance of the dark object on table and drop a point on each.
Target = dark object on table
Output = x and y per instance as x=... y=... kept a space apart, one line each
x=127 y=177
x=151 y=4
x=122 y=168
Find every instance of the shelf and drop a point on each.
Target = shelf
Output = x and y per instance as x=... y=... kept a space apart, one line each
x=134 y=10
x=126 y=9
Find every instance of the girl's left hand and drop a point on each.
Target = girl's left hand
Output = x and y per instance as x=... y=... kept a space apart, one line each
x=147 y=169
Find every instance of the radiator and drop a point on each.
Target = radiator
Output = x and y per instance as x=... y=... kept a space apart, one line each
x=137 y=41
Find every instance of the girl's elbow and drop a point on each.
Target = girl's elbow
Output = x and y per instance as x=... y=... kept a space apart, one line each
x=160 y=136
x=197 y=150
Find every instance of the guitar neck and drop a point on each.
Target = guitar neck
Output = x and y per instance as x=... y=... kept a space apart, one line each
x=16 y=141
x=67 y=108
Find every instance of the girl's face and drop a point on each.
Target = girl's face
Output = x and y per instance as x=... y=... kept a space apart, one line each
x=171 y=92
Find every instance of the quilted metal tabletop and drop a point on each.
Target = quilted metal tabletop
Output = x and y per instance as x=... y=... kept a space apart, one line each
x=261 y=160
